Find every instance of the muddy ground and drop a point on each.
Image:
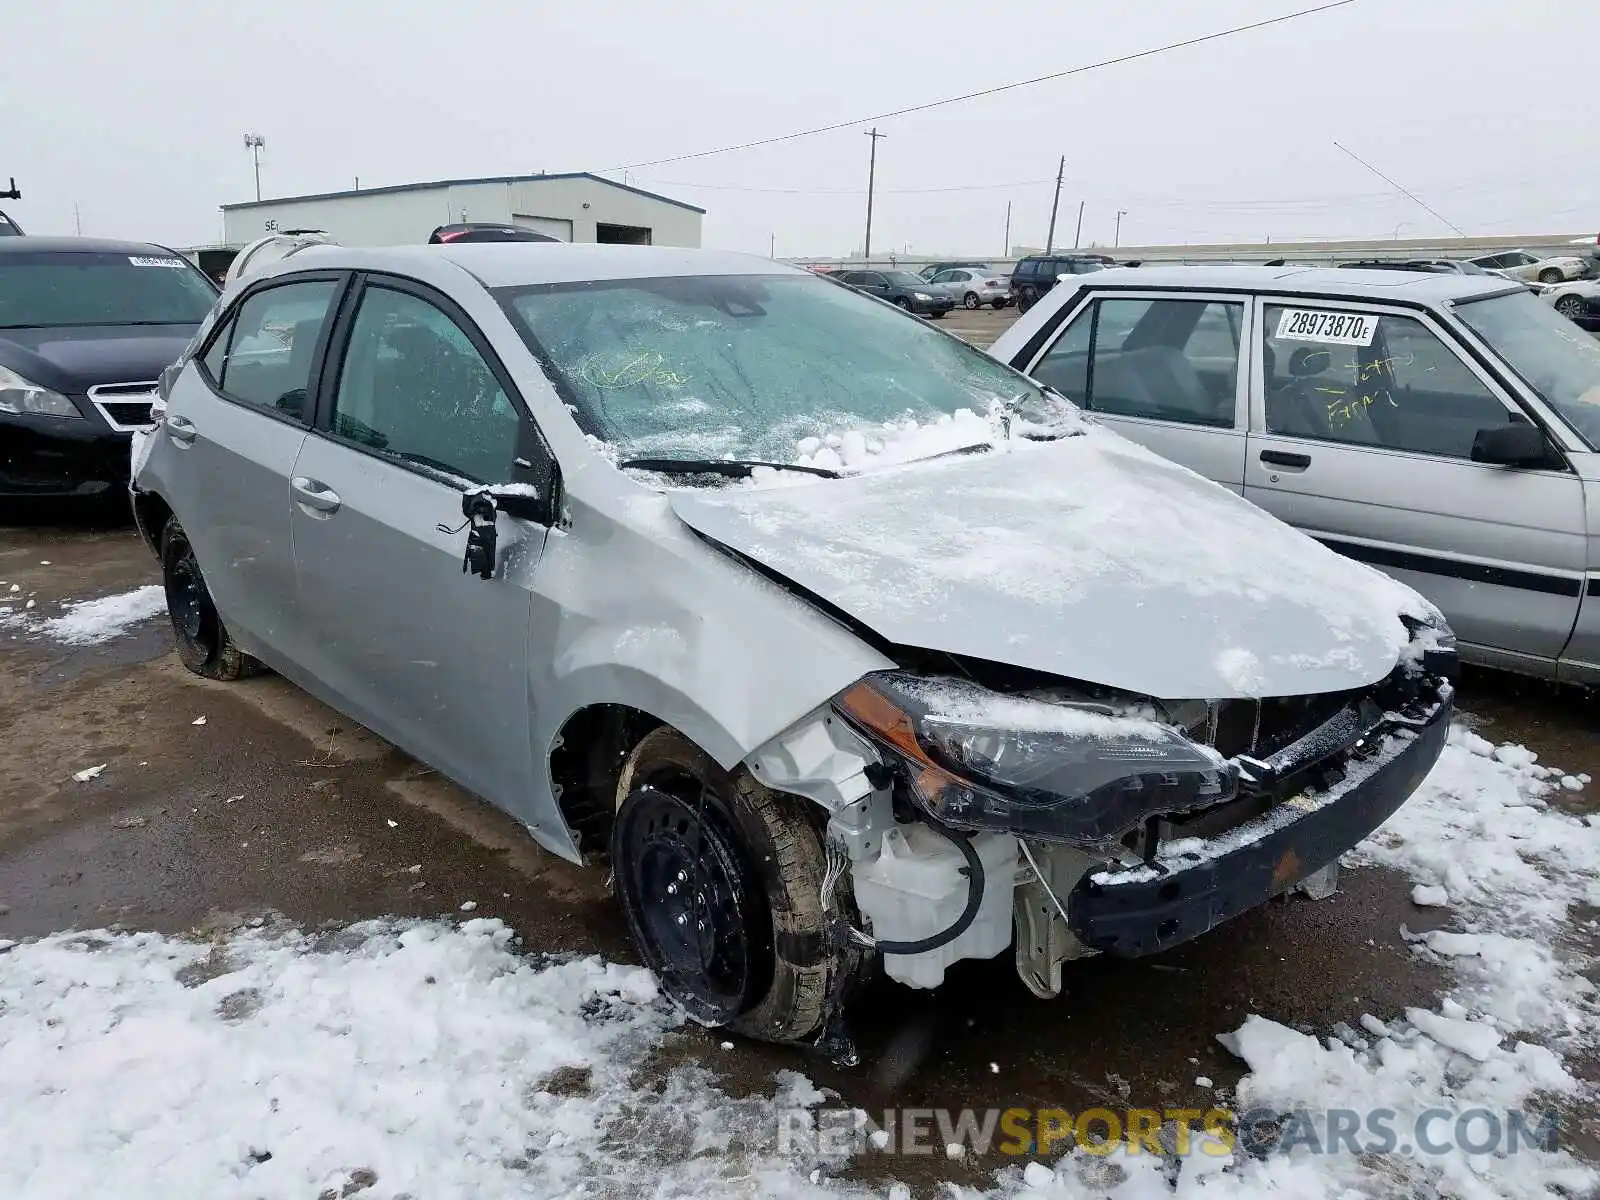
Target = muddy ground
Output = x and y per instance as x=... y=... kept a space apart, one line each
x=277 y=804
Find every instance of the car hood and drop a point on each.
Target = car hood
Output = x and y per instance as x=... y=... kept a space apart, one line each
x=1088 y=558
x=76 y=358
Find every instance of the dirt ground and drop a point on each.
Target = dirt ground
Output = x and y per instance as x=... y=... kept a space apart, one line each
x=277 y=804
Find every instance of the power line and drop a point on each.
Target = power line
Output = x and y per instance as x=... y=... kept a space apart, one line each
x=916 y=191
x=1412 y=196
x=1004 y=87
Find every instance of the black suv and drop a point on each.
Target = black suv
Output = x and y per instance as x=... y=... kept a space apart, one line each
x=1035 y=275
x=86 y=327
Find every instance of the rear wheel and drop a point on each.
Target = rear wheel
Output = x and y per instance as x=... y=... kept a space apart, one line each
x=1550 y=275
x=999 y=304
x=203 y=641
x=970 y=300
x=720 y=880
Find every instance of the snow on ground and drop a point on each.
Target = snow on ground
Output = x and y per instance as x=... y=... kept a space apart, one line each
x=421 y=1058
x=88 y=622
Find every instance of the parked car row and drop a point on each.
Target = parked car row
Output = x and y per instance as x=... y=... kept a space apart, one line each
x=981 y=677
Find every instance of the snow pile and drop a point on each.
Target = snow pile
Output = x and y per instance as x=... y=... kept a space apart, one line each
x=854 y=449
x=390 y=1058
x=90 y=622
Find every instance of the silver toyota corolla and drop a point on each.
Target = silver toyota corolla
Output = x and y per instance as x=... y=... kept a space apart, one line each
x=842 y=641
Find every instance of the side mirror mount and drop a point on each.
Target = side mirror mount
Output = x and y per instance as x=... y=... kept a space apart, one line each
x=1514 y=445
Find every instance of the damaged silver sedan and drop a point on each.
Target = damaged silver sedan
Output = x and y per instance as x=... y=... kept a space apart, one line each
x=842 y=642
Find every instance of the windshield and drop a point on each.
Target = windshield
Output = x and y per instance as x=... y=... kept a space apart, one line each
x=904 y=279
x=1551 y=354
x=46 y=290
x=781 y=368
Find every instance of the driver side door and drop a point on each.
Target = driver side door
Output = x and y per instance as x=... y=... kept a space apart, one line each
x=414 y=412
x=1361 y=435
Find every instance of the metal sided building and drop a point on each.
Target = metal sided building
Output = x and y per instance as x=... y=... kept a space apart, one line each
x=576 y=207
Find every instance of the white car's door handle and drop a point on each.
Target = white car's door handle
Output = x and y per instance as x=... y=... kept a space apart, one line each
x=314 y=495
x=181 y=430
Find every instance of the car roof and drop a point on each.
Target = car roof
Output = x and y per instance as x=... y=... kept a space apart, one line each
x=515 y=264
x=33 y=244
x=1423 y=286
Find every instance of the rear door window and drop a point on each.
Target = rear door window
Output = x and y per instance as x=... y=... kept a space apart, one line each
x=1169 y=360
x=265 y=353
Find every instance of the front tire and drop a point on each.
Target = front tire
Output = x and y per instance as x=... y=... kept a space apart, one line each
x=903 y=304
x=203 y=642
x=970 y=300
x=1550 y=275
x=1570 y=307
x=742 y=941
x=1025 y=300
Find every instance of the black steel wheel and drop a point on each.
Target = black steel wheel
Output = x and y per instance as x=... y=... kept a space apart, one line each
x=970 y=300
x=753 y=950
x=203 y=642
x=692 y=902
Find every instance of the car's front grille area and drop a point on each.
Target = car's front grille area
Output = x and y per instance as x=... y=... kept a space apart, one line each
x=125 y=406
x=1263 y=727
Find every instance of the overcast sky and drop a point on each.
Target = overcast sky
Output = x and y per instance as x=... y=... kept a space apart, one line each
x=134 y=112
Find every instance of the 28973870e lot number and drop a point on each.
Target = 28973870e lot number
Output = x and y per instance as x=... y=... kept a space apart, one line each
x=1305 y=325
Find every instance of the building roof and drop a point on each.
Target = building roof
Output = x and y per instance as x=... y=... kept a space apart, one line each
x=31 y=244
x=519 y=264
x=444 y=183
x=1423 y=286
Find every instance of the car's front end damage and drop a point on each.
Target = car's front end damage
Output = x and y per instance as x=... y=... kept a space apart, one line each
x=1068 y=822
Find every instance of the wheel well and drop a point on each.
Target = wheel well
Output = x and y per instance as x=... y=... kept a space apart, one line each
x=151 y=512
x=585 y=765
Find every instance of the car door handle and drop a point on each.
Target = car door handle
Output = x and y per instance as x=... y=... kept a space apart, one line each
x=315 y=495
x=1283 y=458
x=181 y=430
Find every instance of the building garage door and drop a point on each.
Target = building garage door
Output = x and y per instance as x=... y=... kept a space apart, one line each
x=556 y=227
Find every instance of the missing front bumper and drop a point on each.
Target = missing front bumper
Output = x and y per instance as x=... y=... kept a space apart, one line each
x=1148 y=909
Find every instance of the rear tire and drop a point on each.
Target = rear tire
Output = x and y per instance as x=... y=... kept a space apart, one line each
x=203 y=642
x=970 y=300
x=999 y=304
x=1551 y=275
x=755 y=859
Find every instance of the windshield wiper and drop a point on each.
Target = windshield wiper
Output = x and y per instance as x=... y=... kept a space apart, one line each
x=729 y=468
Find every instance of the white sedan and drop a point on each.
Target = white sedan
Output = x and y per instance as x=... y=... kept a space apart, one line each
x=1519 y=264
x=972 y=287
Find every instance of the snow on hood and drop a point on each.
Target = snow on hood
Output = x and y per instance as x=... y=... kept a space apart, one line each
x=1088 y=557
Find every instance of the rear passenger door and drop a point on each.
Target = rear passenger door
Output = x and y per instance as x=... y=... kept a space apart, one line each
x=1362 y=434
x=239 y=418
x=1164 y=370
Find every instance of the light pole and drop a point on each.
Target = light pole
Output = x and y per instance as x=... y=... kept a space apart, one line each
x=1117 y=240
x=255 y=143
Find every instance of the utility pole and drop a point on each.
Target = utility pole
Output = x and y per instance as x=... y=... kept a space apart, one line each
x=1006 y=249
x=772 y=245
x=872 y=174
x=1117 y=241
x=77 y=220
x=255 y=143
x=1050 y=238
x=1077 y=237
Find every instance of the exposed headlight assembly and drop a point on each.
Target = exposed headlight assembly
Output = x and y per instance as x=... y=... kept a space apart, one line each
x=19 y=396
x=1068 y=772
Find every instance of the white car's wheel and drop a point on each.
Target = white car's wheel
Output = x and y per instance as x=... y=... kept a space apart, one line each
x=970 y=300
x=1570 y=307
x=1551 y=275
